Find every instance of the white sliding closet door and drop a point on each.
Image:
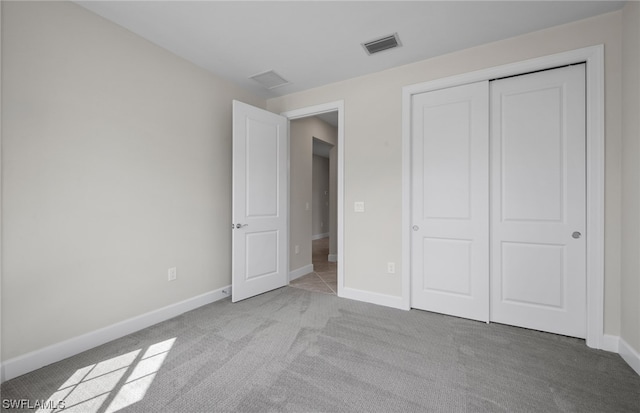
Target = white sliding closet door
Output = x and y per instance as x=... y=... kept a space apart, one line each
x=499 y=223
x=538 y=215
x=450 y=205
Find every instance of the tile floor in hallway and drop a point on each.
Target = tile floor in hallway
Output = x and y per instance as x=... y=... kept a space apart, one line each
x=324 y=278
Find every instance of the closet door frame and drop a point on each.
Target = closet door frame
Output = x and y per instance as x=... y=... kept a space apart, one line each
x=594 y=58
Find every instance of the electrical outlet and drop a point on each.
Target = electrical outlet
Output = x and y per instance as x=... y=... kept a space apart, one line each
x=391 y=267
x=358 y=206
x=173 y=273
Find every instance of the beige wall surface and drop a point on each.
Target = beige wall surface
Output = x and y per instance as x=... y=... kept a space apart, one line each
x=630 y=283
x=300 y=154
x=373 y=147
x=320 y=196
x=302 y=131
x=116 y=167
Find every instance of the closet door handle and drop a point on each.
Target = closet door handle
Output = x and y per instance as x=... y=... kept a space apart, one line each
x=576 y=235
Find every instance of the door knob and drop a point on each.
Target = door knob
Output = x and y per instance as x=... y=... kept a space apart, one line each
x=415 y=227
x=241 y=225
x=576 y=235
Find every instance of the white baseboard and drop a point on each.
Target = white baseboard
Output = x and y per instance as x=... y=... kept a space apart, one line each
x=371 y=297
x=610 y=343
x=332 y=258
x=300 y=272
x=630 y=355
x=319 y=236
x=34 y=360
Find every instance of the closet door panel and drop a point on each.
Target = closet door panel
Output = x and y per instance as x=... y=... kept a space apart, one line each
x=538 y=276
x=450 y=248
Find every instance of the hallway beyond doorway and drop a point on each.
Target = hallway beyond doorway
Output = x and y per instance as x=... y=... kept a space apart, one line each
x=324 y=278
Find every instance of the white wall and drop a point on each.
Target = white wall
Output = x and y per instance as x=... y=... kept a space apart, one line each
x=116 y=166
x=373 y=159
x=630 y=283
x=302 y=131
x=320 y=196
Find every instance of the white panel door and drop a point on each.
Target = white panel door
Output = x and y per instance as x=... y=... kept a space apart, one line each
x=538 y=185
x=450 y=205
x=260 y=199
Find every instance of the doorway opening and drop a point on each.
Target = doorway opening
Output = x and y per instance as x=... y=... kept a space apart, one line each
x=316 y=197
x=313 y=203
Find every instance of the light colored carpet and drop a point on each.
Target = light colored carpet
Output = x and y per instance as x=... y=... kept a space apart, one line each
x=299 y=351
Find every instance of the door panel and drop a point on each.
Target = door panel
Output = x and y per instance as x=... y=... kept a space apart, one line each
x=262 y=169
x=446 y=153
x=532 y=155
x=262 y=248
x=538 y=200
x=260 y=234
x=447 y=266
x=450 y=217
x=536 y=275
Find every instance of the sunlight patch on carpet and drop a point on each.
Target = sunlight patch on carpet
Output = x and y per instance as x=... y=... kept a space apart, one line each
x=117 y=382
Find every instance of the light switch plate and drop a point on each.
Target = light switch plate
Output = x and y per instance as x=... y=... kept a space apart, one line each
x=358 y=206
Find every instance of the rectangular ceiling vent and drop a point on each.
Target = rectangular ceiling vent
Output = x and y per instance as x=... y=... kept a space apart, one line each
x=381 y=44
x=270 y=79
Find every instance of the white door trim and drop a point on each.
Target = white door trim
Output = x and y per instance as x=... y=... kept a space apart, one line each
x=594 y=58
x=317 y=110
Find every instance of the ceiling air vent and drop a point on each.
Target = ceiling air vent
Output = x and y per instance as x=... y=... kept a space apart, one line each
x=383 y=43
x=270 y=79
